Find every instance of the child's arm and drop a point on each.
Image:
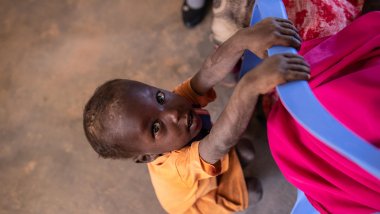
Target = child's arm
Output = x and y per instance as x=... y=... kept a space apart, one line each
x=236 y=115
x=265 y=34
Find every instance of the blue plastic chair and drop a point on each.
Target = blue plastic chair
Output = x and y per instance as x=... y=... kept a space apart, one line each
x=302 y=205
x=301 y=103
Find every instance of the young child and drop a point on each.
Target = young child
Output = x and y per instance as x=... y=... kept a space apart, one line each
x=194 y=169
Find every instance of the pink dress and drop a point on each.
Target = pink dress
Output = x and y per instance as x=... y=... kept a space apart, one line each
x=346 y=80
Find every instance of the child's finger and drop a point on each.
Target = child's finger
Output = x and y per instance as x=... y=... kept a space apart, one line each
x=284 y=20
x=288 y=25
x=298 y=60
x=290 y=32
x=299 y=68
x=292 y=55
x=295 y=75
x=287 y=40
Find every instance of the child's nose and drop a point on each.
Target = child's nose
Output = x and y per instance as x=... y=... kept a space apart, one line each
x=171 y=115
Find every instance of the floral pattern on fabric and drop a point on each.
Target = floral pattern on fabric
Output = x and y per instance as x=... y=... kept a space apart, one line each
x=320 y=18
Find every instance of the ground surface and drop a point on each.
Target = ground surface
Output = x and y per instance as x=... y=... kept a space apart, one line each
x=53 y=54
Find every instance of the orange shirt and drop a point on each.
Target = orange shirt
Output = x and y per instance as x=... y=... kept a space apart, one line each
x=184 y=183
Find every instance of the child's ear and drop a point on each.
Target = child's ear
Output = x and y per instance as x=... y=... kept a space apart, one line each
x=145 y=158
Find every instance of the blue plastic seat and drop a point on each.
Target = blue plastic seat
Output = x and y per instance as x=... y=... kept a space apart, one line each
x=299 y=100
x=302 y=205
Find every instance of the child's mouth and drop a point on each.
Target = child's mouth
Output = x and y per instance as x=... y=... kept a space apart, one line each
x=189 y=120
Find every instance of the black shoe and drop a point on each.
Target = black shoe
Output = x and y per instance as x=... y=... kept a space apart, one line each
x=192 y=17
x=255 y=190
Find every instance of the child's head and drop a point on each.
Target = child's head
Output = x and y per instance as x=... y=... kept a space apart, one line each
x=129 y=119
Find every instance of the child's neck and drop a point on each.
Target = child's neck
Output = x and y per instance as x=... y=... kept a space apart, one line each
x=206 y=124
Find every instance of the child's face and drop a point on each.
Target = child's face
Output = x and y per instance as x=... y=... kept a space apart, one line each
x=155 y=121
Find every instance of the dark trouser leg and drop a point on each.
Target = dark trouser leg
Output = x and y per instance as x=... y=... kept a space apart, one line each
x=371 y=5
x=245 y=151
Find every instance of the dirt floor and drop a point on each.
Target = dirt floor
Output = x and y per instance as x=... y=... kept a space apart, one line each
x=53 y=54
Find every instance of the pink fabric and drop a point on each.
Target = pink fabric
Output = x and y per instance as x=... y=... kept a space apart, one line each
x=346 y=80
x=320 y=18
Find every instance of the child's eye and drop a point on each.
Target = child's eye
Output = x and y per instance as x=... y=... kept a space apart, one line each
x=160 y=97
x=155 y=128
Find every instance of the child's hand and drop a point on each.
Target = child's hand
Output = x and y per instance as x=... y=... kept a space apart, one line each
x=276 y=70
x=234 y=119
x=267 y=33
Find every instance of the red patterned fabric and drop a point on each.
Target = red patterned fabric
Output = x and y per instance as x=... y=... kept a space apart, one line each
x=320 y=18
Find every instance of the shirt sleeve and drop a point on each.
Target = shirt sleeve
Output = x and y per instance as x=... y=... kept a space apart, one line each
x=182 y=174
x=186 y=91
x=192 y=168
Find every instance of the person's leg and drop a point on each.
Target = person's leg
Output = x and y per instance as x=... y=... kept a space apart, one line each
x=370 y=5
x=245 y=148
x=193 y=11
x=255 y=190
x=245 y=151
